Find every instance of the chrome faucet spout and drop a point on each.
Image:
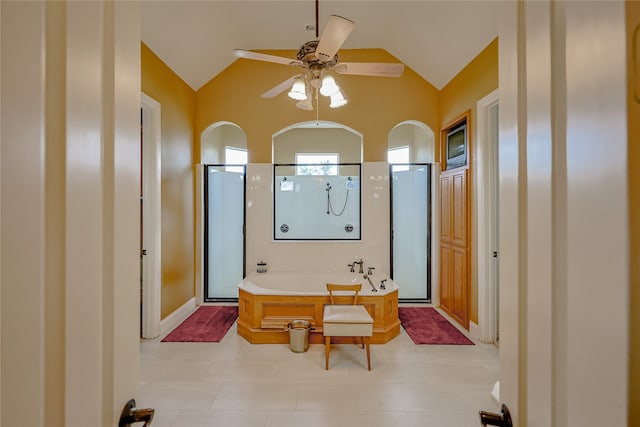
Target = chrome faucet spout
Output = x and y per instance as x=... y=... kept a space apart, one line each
x=361 y=263
x=373 y=288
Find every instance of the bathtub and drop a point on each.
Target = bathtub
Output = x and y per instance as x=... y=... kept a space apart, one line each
x=267 y=302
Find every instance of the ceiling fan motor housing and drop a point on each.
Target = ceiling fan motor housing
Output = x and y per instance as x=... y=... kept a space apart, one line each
x=306 y=54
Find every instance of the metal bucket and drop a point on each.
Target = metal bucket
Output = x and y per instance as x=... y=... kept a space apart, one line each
x=299 y=335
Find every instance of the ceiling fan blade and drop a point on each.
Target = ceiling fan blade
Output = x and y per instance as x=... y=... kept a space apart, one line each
x=273 y=92
x=247 y=54
x=376 y=69
x=333 y=36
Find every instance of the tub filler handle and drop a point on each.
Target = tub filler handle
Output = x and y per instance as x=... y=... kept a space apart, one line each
x=373 y=288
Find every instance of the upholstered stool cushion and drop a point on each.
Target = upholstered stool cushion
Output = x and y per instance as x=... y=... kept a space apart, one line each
x=347 y=320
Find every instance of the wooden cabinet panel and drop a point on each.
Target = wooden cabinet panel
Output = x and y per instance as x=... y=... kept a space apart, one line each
x=445 y=207
x=459 y=209
x=445 y=278
x=459 y=284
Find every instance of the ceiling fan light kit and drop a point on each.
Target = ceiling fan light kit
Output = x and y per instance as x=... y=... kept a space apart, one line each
x=329 y=86
x=338 y=100
x=298 y=90
x=316 y=57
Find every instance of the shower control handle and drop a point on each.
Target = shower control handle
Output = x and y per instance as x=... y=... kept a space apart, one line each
x=370 y=270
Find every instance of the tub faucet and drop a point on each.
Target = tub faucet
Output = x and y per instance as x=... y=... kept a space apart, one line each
x=382 y=285
x=361 y=262
x=373 y=288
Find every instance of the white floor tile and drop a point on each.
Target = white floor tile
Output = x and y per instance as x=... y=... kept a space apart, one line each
x=237 y=384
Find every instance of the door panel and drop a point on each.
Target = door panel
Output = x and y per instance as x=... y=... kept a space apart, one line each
x=224 y=264
x=459 y=284
x=445 y=208
x=564 y=232
x=445 y=280
x=459 y=209
x=411 y=213
x=454 y=243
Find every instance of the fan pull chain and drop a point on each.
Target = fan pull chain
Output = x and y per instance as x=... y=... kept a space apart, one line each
x=317 y=109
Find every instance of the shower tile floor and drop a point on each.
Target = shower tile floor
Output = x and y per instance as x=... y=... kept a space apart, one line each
x=237 y=384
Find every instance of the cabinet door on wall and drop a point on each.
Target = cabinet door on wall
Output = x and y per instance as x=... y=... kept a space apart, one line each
x=454 y=245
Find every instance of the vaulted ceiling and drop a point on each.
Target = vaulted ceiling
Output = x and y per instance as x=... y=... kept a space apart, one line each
x=434 y=38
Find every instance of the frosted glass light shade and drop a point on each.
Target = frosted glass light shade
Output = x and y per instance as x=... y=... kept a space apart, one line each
x=298 y=90
x=338 y=100
x=305 y=104
x=329 y=86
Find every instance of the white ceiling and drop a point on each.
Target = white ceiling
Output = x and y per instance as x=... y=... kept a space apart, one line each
x=434 y=38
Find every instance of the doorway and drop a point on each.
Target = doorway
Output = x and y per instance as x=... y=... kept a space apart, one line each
x=488 y=218
x=150 y=203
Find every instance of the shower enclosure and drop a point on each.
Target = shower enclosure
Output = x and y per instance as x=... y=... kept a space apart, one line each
x=224 y=248
x=317 y=202
x=411 y=230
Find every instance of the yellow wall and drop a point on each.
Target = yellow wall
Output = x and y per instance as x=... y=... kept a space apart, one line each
x=177 y=101
x=376 y=104
x=475 y=81
x=633 y=120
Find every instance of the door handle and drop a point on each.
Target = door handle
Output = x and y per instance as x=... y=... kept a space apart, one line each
x=130 y=414
x=492 y=419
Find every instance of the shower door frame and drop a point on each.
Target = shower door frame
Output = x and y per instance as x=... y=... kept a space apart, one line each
x=205 y=279
x=429 y=220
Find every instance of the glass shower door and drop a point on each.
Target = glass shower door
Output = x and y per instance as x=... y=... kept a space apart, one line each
x=411 y=230
x=224 y=231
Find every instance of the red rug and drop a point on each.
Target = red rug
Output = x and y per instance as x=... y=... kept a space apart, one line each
x=425 y=325
x=206 y=324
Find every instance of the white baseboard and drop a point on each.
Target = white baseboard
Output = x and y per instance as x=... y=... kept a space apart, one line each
x=170 y=322
x=474 y=331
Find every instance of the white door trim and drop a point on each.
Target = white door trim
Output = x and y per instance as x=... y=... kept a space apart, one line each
x=151 y=217
x=487 y=215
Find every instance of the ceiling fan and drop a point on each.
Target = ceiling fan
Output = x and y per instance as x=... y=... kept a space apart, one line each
x=317 y=58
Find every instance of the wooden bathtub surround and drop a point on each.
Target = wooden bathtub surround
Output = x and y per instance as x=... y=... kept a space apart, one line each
x=263 y=318
x=346 y=320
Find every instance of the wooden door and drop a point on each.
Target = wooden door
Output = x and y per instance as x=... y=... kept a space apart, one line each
x=454 y=245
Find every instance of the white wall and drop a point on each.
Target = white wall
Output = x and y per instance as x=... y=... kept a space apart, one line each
x=318 y=255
